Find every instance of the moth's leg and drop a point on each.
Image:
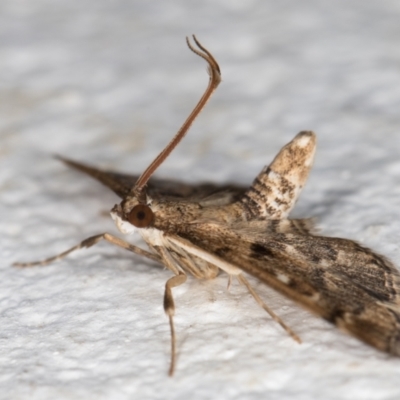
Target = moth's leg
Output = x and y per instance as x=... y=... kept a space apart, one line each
x=90 y=242
x=228 y=286
x=169 y=308
x=243 y=280
x=169 y=304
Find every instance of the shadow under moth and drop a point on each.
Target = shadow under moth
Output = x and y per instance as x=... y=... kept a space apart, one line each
x=202 y=229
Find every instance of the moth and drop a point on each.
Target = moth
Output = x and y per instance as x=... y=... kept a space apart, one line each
x=203 y=229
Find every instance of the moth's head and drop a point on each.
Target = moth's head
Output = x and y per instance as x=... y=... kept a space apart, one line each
x=133 y=214
x=136 y=211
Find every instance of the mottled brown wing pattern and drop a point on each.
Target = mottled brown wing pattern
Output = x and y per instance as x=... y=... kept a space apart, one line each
x=345 y=283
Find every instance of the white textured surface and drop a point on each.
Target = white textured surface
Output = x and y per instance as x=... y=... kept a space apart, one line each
x=109 y=83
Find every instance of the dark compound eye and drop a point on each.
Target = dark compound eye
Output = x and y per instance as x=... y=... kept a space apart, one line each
x=141 y=216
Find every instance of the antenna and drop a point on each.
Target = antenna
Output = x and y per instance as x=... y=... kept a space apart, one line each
x=215 y=78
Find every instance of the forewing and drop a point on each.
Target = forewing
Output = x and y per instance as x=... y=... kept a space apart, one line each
x=338 y=279
x=207 y=194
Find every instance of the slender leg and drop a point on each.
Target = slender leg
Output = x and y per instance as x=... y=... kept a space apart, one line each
x=90 y=242
x=243 y=280
x=169 y=308
x=169 y=304
x=228 y=286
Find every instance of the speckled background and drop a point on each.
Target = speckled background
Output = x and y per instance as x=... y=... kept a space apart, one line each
x=109 y=83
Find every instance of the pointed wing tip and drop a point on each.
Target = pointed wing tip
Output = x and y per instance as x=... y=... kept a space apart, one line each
x=63 y=159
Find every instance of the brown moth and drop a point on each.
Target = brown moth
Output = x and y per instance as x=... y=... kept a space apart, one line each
x=202 y=229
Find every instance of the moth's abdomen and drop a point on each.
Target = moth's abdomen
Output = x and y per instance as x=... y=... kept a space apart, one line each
x=275 y=190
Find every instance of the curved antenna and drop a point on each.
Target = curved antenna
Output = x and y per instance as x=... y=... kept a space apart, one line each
x=215 y=79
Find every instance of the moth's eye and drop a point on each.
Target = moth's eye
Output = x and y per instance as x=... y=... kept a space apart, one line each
x=141 y=216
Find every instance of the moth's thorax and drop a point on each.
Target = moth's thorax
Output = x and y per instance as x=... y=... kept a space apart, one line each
x=172 y=216
x=179 y=217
